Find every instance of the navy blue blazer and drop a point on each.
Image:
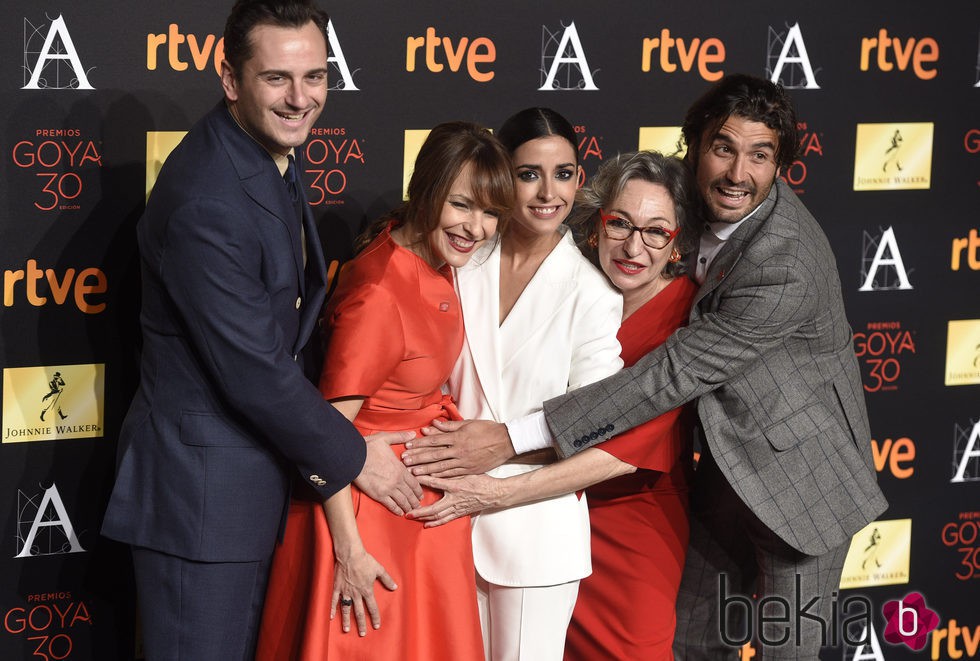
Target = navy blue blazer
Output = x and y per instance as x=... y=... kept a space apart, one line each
x=224 y=409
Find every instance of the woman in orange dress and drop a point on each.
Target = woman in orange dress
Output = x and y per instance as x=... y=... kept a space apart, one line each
x=394 y=330
x=636 y=211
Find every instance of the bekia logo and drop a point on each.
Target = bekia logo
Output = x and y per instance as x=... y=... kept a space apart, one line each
x=909 y=621
x=882 y=266
x=564 y=65
x=787 y=61
x=58 y=158
x=53 y=403
x=43 y=525
x=893 y=156
x=966 y=452
x=50 y=58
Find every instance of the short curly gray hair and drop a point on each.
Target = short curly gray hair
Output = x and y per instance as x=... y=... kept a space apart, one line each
x=611 y=179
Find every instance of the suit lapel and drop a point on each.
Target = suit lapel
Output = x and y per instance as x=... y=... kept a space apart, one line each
x=729 y=254
x=262 y=183
x=479 y=284
x=314 y=284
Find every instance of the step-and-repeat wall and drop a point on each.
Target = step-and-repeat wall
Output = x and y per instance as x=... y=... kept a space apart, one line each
x=93 y=96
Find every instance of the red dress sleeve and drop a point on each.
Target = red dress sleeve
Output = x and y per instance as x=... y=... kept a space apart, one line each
x=657 y=444
x=365 y=341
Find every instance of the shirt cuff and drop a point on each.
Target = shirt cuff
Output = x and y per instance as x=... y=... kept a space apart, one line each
x=530 y=433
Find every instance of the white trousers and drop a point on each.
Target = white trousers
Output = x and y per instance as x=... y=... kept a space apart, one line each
x=525 y=624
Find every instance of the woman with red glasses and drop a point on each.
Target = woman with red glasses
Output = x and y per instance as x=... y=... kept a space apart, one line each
x=639 y=224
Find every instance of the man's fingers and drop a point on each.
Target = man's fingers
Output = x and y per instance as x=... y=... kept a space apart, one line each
x=429 y=439
x=406 y=496
x=448 y=425
x=427 y=455
x=387 y=580
x=435 y=482
x=359 y=616
x=448 y=468
x=430 y=512
x=392 y=437
x=393 y=506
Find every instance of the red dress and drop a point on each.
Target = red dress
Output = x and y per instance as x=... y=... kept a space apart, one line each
x=625 y=609
x=394 y=330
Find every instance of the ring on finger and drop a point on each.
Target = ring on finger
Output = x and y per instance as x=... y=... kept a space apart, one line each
x=346 y=602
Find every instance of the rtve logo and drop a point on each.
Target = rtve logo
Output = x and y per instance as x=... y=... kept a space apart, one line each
x=84 y=286
x=440 y=51
x=890 y=52
x=969 y=246
x=897 y=455
x=690 y=53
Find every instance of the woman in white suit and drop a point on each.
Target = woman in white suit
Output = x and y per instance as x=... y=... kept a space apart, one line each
x=540 y=320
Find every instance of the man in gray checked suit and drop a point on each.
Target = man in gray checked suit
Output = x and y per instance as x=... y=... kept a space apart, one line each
x=786 y=474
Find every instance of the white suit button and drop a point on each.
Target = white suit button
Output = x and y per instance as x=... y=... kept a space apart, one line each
x=299 y=301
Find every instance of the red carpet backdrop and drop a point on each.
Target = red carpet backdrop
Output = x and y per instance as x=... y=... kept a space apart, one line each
x=93 y=95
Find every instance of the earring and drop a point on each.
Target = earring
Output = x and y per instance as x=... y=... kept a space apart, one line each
x=674 y=256
x=593 y=241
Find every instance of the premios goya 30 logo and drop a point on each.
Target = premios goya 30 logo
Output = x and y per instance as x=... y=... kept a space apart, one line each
x=47 y=622
x=59 y=159
x=53 y=402
x=893 y=156
x=881 y=349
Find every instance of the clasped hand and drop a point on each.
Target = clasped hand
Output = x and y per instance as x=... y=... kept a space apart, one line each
x=458 y=447
x=462 y=496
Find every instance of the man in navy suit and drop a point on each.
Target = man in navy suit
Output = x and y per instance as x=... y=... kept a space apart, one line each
x=233 y=283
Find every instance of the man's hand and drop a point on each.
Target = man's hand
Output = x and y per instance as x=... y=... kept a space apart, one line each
x=384 y=478
x=454 y=448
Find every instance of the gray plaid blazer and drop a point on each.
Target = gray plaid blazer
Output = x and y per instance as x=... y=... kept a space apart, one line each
x=768 y=356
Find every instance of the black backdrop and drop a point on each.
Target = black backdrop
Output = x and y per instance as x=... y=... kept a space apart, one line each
x=887 y=97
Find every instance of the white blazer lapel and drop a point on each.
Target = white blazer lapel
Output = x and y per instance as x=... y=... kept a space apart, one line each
x=479 y=294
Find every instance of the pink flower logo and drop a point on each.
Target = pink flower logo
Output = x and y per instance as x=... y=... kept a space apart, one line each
x=909 y=621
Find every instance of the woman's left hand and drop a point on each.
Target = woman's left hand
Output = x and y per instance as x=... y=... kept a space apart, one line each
x=462 y=496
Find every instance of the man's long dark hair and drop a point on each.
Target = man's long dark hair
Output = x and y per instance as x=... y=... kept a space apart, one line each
x=748 y=97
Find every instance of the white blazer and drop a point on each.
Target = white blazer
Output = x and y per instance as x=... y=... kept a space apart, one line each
x=560 y=334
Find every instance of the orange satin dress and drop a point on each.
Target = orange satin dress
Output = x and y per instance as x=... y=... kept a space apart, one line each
x=626 y=608
x=394 y=330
